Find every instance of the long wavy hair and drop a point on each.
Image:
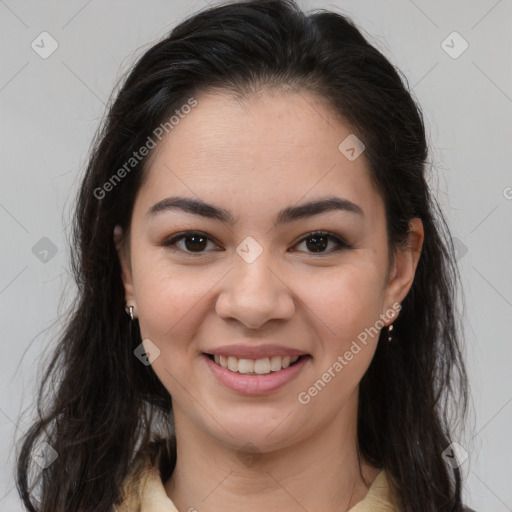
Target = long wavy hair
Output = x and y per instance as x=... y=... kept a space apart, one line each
x=97 y=404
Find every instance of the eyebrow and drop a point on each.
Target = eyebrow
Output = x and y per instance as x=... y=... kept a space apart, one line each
x=287 y=215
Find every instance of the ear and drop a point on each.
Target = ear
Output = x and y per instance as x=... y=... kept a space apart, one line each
x=122 y=244
x=405 y=264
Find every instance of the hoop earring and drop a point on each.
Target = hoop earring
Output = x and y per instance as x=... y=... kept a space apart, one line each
x=129 y=311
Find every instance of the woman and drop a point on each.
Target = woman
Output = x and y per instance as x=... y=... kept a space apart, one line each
x=256 y=201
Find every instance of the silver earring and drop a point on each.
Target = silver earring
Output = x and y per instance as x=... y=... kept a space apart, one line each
x=390 y=328
x=129 y=311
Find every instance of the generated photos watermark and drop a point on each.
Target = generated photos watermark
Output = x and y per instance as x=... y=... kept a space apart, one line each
x=304 y=397
x=143 y=151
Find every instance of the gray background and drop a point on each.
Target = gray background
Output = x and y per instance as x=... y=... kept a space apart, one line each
x=50 y=108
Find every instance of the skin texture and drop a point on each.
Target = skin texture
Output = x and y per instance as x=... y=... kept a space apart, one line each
x=254 y=157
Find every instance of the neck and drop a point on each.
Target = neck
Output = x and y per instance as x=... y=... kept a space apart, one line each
x=311 y=474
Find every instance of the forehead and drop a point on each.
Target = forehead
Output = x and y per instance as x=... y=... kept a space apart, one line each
x=273 y=147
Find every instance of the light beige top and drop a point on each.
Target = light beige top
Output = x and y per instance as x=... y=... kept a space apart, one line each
x=151 y=495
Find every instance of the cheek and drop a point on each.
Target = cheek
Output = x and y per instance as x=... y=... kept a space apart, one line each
x=170 y=299
x=335 y=384
x=346 y=306
x=344 y=302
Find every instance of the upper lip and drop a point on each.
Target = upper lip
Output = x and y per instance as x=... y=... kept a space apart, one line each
x=255 y=352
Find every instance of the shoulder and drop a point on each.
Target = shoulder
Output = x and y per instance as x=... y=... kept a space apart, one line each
x=381 y=496
x=144 y=491
x=132 y=488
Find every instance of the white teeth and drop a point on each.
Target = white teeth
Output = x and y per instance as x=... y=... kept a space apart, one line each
x=255 y=366
x=275 y=363
x=245 y=366
x=233 y=364
x=262 y=366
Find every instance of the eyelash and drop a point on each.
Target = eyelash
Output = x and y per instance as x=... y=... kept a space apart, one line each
x=341 y=244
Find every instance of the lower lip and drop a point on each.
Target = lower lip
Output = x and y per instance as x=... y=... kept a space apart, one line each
x=256 y=384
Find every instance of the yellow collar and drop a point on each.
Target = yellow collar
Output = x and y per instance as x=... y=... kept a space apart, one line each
x=151 y=496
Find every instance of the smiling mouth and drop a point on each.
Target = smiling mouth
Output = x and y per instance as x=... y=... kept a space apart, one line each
x=263 y=366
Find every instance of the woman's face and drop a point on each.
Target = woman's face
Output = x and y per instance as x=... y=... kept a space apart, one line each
x=254 y=284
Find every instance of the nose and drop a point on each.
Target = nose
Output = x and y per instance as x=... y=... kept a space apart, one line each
x=254 y=293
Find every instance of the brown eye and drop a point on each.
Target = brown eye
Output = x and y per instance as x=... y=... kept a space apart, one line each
x=191 y=242
x=317 y=242
x=195 y=242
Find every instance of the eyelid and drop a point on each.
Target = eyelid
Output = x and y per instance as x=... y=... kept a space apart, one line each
x=340 y=242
